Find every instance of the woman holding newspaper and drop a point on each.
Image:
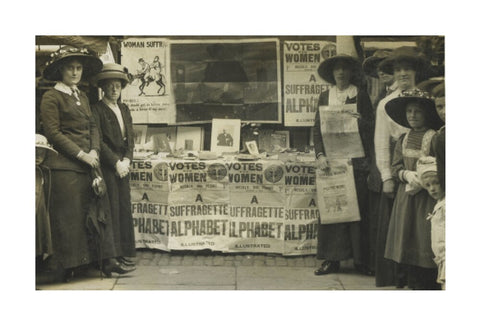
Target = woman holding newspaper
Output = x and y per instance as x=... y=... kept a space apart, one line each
x=342 y=241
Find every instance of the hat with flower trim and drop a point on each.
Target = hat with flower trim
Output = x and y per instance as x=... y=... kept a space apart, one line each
x=396 y=108
x=91 y=63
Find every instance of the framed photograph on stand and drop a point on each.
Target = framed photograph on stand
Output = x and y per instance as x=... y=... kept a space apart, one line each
x=225 y=135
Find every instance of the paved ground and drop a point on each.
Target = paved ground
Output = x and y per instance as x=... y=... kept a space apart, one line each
x=157 y=270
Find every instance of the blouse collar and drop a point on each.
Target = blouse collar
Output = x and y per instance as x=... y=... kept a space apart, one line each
x=60 y=86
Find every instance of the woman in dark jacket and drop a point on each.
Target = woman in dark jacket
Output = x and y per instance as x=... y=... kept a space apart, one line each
x=116 y=129
x=70 y=127
x=341 y=241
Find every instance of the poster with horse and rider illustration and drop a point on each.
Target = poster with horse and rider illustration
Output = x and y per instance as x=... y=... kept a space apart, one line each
x=148 y=93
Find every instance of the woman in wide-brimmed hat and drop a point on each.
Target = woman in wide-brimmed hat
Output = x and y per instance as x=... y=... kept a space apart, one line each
x=337 y=242
x=406 y=64
x=70 y=127
x=115 y=123
x=408 y=238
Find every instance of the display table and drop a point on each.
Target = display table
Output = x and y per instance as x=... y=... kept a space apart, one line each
x=226 y=205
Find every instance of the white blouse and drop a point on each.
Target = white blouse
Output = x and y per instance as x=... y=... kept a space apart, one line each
x=114 y=107
x=385 y=128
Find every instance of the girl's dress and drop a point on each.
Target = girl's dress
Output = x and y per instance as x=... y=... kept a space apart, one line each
x=408 y=238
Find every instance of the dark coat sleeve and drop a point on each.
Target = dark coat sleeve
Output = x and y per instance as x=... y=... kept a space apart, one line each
x=397 y=160
x=128 y=121
x=317 y=133
x=366 y=124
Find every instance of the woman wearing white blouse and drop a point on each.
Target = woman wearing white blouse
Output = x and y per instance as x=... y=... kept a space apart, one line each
x=117 y=141
x=405 y=63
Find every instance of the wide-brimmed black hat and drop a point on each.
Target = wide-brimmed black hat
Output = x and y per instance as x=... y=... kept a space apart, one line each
x=371 y=63
x=325 y=69
x=91 y=63
x=409 y=54
x=396 y=108
x=111 y=71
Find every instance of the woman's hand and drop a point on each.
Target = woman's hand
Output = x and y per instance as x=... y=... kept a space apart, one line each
x=355 y=115
x=122 y=168
x=89 y=158
x=322 y=163
x=389 y=187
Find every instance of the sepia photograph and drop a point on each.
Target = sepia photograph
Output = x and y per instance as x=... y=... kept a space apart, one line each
x=297 y=161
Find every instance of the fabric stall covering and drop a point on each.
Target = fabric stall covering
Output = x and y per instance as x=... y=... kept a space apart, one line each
x=97 y=44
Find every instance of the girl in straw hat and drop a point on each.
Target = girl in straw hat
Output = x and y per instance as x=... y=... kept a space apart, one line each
x=408 y=238
x=117 y=142
x=337 y=242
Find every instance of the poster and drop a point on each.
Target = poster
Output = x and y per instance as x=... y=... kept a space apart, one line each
x=302 y=84
x=301 y=209
x=339 y=127
x=149 y=198
x=337 y=196
x=231 y=79
x=148 y=94
x=256 y=206
x=198 y=205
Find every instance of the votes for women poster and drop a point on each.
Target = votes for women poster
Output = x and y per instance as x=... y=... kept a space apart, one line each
x=302 y=84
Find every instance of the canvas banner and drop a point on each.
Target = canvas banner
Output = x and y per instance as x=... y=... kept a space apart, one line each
x=256 y=206
x=149 y=203
x=148 y=94
x=301 y=209
x=198 y=205
x=302 y=84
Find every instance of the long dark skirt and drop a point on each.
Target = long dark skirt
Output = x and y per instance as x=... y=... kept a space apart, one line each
x=337 y=242
x=385 y=269
x=70 y=200
x=121 y=213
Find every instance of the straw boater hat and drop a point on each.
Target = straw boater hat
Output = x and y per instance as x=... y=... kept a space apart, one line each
x=396 y=108
x=41 y=142
x=439 y=90
x=430 y=84
x=404 y=53
x=371 y=63
x=111 y=71
x=325 y=69
x=91 y=64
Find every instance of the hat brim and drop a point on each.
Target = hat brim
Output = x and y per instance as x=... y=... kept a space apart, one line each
x=325 y=69
x=109 y=75
x=397 y=110
x=430 y=84
x=387 y=64
x=91 y=66
x=370 y=66
x=46 y=147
